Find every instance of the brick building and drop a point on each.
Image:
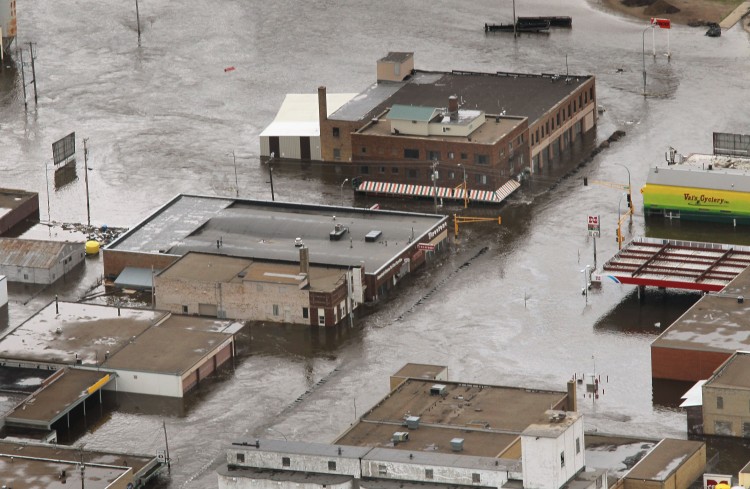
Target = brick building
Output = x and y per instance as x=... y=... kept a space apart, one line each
x=537 y=119
x=258 y=290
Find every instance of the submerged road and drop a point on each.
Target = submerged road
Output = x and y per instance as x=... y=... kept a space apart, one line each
x=164 y=117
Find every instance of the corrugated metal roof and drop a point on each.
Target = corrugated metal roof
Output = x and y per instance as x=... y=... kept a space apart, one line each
x=411 y=113
x=31 y=253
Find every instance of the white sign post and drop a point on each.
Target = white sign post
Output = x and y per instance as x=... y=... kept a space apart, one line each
x=594 y=232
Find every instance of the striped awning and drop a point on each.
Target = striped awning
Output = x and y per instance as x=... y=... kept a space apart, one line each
x=403 y=189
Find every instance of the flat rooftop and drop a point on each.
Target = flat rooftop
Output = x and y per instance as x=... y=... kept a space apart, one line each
x=552 y=429
x=492 y=131
x=733 y=374
x=56 y=399
x=85 y=330
x=729 y=178
x=664 y=460
x=420 y=370
x=209 y=267
x=518 y=94
x=465 y=405
x=10 y=199
x=285 y=476
x=39 y=465
x=167 y=348
x=717 y=322
x=433 y=439
x=488 y=418
x=301 y=448
x=267 y=230
x=456 y=459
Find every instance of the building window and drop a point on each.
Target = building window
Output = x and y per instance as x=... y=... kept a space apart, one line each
x=746 y=430
x=305 y=313
x=723 y=428
x=510 y=148
x=578 y=445
x=433 y=155
x=240 y=458
x=335 y=132
x=580 y=101
x=481 y=179
x=475 y=478
x=452 y=175
x=411 y=153
x=562 y=459
x=382 y=469
x=591 y=93
x=336 y=154
x=364 y=150
x=547 y=125
x=394 y=170
x=285 y=462
x=451 y=155
x=481 y=159
x=331 y=465
x=412 y=173
x=464 y=156
x=322 y=319
x=275 y=309
x=382 y=169
x=184 y=309
x=365 y=170
x=558 y=118
x=25 y=276
x=719 y=402
x=428 y=474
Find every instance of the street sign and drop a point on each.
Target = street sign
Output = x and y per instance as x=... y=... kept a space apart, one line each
x=594 y=229
x=426 y=246
x=661 y=23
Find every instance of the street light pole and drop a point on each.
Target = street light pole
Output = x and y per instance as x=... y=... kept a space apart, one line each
x=342 y=191
x=434 y=182
x=270 y=172
x=643 y=36
x=466 y=190
x=236 y=183
x=619 y=223
x=630 y=192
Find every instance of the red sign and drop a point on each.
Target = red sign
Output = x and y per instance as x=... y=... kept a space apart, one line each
x=426 y=246
x=662 y=23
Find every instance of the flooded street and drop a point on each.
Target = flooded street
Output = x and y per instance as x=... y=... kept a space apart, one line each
x=164 y=118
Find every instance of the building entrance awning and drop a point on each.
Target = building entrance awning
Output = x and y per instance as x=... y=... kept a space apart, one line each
x=407 y=190
x=57 y=397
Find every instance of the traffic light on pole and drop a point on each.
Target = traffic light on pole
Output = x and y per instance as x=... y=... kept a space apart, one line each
x=630 y=200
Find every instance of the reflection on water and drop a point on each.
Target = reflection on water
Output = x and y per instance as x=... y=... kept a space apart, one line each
x=668 y=393
x=651 y=315
x=709 y=232
x=65 y=174
x=301 y=342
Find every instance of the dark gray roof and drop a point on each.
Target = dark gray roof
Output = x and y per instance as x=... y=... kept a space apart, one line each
x=518 y=94
x=267 y=230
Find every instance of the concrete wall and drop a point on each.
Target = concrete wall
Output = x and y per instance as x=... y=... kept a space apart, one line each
x=687 y=365
x=733 y=415
x=3 y=290
x=297 y=462
x=239 y=481
x=542 y=461
x=116 y=260
x=150 y=383
x=290 y=146
x=441 y=474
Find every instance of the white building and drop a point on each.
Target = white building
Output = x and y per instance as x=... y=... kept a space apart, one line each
x=552 y=453
x=295 y=132
x=3 y=290
x=36 y=261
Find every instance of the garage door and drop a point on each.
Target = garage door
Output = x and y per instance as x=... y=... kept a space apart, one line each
x=207 y=310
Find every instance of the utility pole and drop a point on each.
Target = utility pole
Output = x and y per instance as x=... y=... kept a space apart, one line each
x=514 y=20
x=166 y=442
x=236 y=184
x=434 y=182
x=86 y=178
x=33 y=70
x=138 y=22
x=83 y=471
x=23 y=77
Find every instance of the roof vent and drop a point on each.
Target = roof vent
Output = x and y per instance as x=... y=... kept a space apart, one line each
x=242 y=274
x=438 y=390
x=400 y=436
x=412 y=422
x=457 y=444
x=373 y=236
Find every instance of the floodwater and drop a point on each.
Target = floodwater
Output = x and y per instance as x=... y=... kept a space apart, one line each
x=164 y=118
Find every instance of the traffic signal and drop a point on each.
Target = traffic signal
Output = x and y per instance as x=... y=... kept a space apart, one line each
x=630 y=201
x=585 y=181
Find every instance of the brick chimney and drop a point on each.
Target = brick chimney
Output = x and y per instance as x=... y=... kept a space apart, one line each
x=453 y=107
x=322 y=105
x=304 y=261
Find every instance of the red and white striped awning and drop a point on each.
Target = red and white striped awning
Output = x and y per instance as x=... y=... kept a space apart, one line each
x=403 y=189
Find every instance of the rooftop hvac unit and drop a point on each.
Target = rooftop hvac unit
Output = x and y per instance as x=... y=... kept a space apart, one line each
x=412 y=422
x=457 y=444
x=400 y=436
x=438 y=390
x=373 y=236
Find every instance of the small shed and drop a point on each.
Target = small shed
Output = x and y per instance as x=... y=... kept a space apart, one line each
x=36 y=261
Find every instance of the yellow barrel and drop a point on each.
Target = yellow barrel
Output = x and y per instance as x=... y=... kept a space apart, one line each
x=92 y=247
